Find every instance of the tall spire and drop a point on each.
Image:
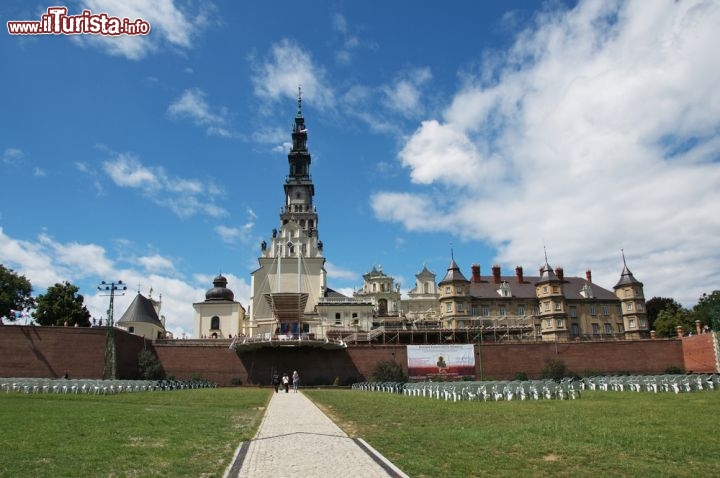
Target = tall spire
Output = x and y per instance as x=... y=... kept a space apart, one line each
x=626 y=277
x=299 y=113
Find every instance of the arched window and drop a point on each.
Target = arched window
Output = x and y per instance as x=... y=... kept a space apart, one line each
x=215 y=323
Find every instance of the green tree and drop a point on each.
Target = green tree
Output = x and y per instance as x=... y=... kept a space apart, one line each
x=669 y=318
x=707 y=310
x=555 y=369
x=15 y=293
x=149 y=367
x=62 y=304
x=655 y=305
x=388 y=371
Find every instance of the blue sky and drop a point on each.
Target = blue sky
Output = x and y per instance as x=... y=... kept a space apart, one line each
x=498 y=128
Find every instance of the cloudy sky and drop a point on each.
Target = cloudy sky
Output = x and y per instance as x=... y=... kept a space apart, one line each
x=495 y=129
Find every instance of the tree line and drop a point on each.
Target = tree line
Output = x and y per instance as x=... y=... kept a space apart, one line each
x=666 y=314
x=60 y=305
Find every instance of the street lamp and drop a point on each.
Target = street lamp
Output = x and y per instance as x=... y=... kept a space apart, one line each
x=111 y=288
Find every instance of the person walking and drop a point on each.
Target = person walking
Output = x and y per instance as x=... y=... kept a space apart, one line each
x=286 y=382
x=296 y=380
x=276 y=381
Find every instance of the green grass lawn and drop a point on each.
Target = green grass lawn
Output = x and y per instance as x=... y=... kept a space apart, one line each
x=194 y=433
x=602 y=434
x=180 y=433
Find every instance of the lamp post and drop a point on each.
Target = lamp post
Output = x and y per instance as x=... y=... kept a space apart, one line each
x=110 y=369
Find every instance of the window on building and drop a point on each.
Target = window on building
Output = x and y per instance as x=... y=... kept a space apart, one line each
x=643 y=323
x=547 y=306
x=593 y=310
x=473 y=311
x=640 y=307
x=559 y=322
x=631 y=323
x=458 y=290
x=521 y=310
x=131 y=329
x=460 y=307
x=595 y=329
x=575 y=329
x=629 y=306
x=374 y=287
x=556 y=290
x=426 y=287
x=620 y=328
x=573 y=311
x=501 y=310
x=447 y=290
x=485 y=311
x=448 y=307
x=605 y=310
x=354 y=315
x=608 y=328
x=548 y=324
x=544 y=289
x=558 y=306
x=537 y=310
x=215 y=323
x=538 y=332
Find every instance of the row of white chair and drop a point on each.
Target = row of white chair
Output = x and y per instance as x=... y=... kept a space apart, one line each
x=653 y=383
x=481 y=391
x=97 y=387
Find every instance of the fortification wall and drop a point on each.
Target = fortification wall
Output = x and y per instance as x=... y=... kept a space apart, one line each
x=27 y=351
x=699 y=354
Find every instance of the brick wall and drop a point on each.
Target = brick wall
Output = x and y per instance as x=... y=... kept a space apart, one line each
x=27 y=351
x=698 y=353
x=642 y=356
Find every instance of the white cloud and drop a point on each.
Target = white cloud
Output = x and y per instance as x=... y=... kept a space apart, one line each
x=192 y=105
x=12 y=156
x=335 y=272
x=597 y=130
x=242 y=234
x=156 y=263
x=171 y=25
x=404 y=95
x=287 y=67
x=184 y=197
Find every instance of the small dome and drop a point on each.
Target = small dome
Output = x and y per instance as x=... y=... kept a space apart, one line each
x=219 y=291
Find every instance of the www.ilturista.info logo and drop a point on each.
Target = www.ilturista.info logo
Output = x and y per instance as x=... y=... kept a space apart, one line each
x=57 y=22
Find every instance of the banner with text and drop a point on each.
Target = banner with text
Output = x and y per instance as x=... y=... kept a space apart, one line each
x=440 y=361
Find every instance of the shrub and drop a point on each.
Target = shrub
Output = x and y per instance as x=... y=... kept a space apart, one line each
x=149 y=367
x=388 y=371
x=673 y=370
x=555 y=369
x=236 y=381
x=521 y=376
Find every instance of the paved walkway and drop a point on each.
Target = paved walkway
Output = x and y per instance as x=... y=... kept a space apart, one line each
x=296 y=439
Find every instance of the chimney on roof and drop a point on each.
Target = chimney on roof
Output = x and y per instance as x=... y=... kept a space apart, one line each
x=519 y=274
x=560 y=273
x=496 y=274
x=475 y=273
x=588 y=275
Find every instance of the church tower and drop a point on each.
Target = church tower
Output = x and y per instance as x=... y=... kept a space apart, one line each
x=632 y=303
x=291 y=278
